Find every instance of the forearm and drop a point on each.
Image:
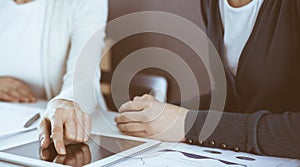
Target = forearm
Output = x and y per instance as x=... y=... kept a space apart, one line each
x=279 y=135
x=260 y=133
x=82 y=77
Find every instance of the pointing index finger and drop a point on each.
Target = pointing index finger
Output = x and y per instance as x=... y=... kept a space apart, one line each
x=58 y=135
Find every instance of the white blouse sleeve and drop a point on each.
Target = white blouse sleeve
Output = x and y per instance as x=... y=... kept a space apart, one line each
x=88 y=17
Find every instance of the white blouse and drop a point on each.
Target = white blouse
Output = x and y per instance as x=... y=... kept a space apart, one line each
x=238 y=24
x=21 y=29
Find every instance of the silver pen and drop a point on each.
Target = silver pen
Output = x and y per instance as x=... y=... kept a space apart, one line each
x=32 y=120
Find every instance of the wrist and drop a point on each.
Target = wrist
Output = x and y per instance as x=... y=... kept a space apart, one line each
x=62 y=103
x=180 y=122
x=183 y=114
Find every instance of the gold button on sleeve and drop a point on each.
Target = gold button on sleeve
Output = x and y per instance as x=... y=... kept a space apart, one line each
x=236 y=149
x=224 y=146
x=212 y=143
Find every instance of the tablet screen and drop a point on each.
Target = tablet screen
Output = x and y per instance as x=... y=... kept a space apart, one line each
x=97 y=148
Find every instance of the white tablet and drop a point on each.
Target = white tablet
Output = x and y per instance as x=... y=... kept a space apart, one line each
x=101 y=150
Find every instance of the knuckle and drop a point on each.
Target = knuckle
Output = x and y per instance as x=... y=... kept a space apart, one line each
x=57 y=111
x=149 y=133
x=136 y=98
x=54 y=116
x=57 y=130
x=122 y=127
x=70 y=136
x=124 y=117
x=150 y=129
x=71 y=116
x=119 y=126
x=137 y=105
x=123 y=105
x=116 y=119
x=79 y=139
x=73 y=104
x=131 y=103
x=86 y=138
x=145 y=96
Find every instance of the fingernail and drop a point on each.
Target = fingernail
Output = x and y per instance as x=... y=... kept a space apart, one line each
x=62 y=150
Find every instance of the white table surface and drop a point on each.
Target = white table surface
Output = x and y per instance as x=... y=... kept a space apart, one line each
x=107 y=125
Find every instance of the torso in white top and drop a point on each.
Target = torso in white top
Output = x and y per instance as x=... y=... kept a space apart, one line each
x=21 y=28
x=238 y=24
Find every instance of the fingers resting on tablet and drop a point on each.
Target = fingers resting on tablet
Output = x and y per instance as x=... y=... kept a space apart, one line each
x=65 y=123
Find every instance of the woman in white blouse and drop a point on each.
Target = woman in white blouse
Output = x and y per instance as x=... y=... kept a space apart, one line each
x=40 y=42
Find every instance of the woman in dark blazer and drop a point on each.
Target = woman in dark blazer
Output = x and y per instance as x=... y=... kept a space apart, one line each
x=262 y=111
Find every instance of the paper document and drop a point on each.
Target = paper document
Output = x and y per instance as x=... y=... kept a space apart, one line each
x=14 y=116
x=181 y=155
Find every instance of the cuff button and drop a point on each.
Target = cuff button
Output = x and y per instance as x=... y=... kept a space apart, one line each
x=224 y=146
x=236 y=149
x=190 y=141
x=212 y=143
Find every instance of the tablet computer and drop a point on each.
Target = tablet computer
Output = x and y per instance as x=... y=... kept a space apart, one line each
x=100 y=150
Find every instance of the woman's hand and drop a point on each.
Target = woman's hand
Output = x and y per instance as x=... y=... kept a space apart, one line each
x=14 y=90
x=66 y=123
x=147 y=117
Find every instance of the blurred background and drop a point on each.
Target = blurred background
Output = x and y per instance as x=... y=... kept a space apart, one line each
x=189 y=9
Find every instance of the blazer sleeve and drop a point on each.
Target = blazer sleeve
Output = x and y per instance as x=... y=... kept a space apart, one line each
x=87 y=18
x=262 y=133
x=298 y=9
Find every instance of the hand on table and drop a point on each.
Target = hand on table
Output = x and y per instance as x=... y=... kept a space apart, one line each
x=77 y=155
x=66 y=123
x=149 y=118
x=14 y=90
